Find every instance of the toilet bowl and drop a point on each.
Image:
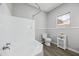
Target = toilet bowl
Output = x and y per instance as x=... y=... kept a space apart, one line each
x=46 y=39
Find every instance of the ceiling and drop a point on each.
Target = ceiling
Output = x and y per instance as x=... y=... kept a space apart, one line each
x=46 y=7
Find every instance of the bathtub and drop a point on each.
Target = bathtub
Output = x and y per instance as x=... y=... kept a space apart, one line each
x=37 y=49
x=33 y=49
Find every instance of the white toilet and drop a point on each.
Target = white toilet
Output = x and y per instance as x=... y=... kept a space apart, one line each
x=47 y=40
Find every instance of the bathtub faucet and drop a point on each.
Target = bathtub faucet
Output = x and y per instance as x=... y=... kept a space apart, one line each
x=6 y=47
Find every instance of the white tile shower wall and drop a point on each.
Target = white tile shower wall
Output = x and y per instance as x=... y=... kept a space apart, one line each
x=18 y=32
x=72 y=33
x=10 y=7
x=4 y=9
x=23 y=10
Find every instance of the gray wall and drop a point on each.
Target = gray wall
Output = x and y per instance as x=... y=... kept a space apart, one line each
x=26 y=11
x=72 y=33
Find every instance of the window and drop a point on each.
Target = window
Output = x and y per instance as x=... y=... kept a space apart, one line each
x=63 y=20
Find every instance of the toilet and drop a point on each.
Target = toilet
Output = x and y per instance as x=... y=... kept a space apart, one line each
x=46 y=39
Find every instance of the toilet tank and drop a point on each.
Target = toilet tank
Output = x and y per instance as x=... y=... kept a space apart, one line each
x=44 y=35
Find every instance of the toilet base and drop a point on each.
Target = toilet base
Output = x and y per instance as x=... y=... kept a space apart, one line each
x=47 y=44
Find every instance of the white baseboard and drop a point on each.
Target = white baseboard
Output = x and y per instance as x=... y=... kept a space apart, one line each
x=68 y=48
x=73 y=50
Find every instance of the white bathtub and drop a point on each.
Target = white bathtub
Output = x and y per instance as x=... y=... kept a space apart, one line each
x=33 y=49
x=38 y=49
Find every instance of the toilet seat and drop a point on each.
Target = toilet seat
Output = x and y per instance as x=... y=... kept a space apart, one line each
x=47 y=39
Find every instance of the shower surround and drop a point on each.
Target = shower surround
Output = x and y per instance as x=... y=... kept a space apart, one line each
x=20 y=33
